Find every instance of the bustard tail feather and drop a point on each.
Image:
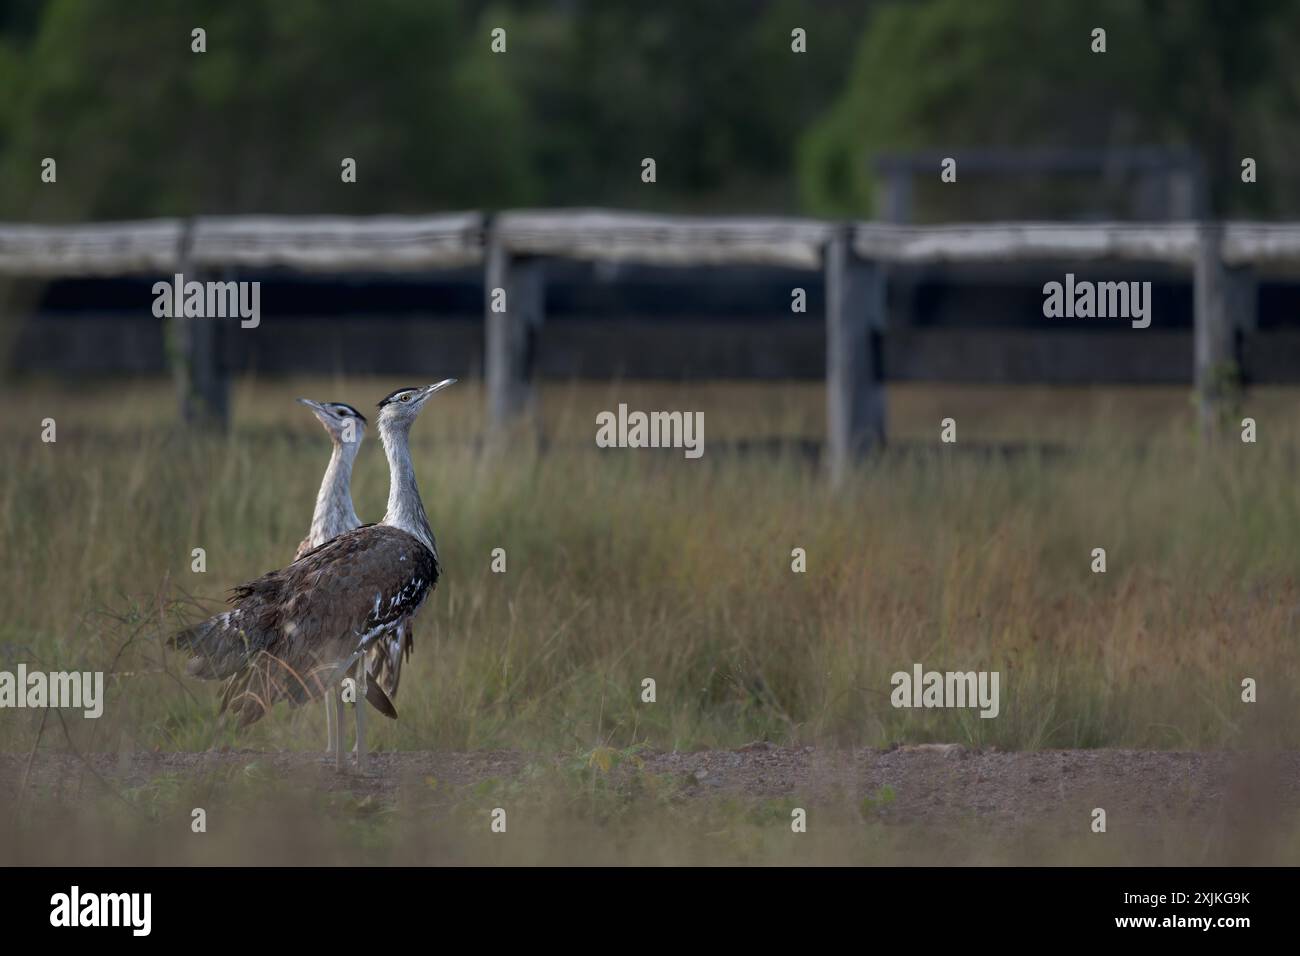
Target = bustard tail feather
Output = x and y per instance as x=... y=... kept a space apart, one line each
x=378 y=691
x=380 y=700
x=249 y=694
x=227 y=647
x=265 y=679
x=219 y=646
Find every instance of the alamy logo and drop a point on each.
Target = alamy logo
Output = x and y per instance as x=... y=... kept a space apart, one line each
x=1098 y=300
x=103 y=909
x=949 y=689
x=76 y=689
x=651 y=430
x=209 y=300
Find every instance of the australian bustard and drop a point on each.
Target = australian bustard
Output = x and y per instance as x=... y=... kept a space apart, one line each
x=335 y=514
x=294 y=632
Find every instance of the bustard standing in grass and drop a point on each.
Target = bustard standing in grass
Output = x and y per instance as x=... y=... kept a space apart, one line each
x=334 y=515
x=293 y=633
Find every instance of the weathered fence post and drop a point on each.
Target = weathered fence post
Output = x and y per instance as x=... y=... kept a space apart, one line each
x=1215 y=363
x=855 y=394
x=514 y=291
x=198 y=366
x=1243 y=300
x=209 y=399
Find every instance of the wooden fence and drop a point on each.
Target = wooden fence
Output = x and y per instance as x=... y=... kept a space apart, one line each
x=1224 y=260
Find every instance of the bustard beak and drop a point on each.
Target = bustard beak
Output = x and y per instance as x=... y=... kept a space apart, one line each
x=438 y=387
x=323 y=414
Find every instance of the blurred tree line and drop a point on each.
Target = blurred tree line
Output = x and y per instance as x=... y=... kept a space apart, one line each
x=736 y=121
x=1220 y=76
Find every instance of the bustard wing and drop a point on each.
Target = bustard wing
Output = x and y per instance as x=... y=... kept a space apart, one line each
x=294 y=630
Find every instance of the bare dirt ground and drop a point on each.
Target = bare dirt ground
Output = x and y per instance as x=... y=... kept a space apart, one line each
x=927 y=784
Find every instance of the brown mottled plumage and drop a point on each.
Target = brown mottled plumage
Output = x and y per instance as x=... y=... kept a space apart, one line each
x=293 y=632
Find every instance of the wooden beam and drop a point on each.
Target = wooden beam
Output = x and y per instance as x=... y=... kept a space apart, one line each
x=338 y=243
x=1243 y=298
x=1026 y=242
x=1268 y=246
x=90 y=249
x=1216 y=368
x=609 y=236
x=202 y=382
x=514 y=300
x=195 y=352
x=209 y=398
x=415 y=243
x=855 y=394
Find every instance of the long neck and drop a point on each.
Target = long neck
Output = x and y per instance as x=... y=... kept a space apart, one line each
x=405 y=509
x=334 y=512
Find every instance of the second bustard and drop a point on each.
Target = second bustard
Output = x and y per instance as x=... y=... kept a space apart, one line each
x=334 y=514
x=293 y=633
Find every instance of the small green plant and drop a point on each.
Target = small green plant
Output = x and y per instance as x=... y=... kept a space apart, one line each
x=880 y=800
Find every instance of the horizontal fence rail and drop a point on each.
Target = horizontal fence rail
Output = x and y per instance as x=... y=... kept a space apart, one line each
x=1262 y=245
x=664 y=240
x=1224 y=260
x=338 y=243
x=1018 y=242
x=399 y=243
x=98 y=249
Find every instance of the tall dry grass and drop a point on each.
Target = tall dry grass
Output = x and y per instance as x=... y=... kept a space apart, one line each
x=629 y=564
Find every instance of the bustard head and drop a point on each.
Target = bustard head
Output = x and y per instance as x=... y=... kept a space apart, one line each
x=398 y=409
x=345 y=424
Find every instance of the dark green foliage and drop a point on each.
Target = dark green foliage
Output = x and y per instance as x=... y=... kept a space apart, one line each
x=736 y=121
x=1217 y=76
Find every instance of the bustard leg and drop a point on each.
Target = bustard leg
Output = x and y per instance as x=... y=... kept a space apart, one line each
x=361 y=717
x=336 y=704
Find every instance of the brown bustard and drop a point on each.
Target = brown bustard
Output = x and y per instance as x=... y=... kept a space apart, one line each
x=294 y=633
x=333 y=515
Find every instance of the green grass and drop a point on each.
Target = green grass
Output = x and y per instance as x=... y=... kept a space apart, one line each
x=624 y=565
